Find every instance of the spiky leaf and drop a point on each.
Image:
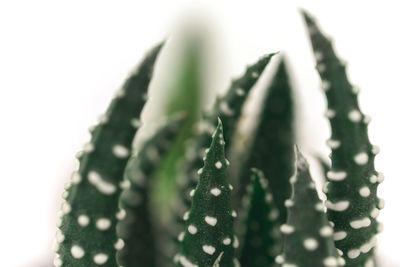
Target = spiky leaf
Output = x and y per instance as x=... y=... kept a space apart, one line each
x=209 y=225
x=262 y=237
x=351 y=191
x=272 y=147
x=308 y=235
x=87 y=226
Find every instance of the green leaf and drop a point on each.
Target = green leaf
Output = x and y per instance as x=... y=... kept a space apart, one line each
x=262 y=241
x=209 y=223
x=351 y=191
x=136 y=226
x=271 y=150
x=308 y=235
x=87 y=225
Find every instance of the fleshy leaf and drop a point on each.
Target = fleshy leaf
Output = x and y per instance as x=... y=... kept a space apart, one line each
x=351 y=191
x=209 y=223
x=271 y=150
x=308 y=235
x=262 y=240
x=87 y=224
x=136 y=226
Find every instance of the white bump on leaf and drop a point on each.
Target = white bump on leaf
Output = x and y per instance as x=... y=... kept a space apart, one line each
x=66 y=208
x=355 y=116
x=103 y=224
x=361 y=158
x=287 y=229
x=357 y=224
x=77 y=252
x=330 y=113
x=120 y=151
x=353 y=253
x=333 y=144
x=326 y=231
x=215 y=191
x=100 y=258
x=76 y=178
x=218 y=165
x=192 y=229
x=83 y=220
x=310 y=244
x=326 y=85
x=338 y=206
x=336 y=176
x=119 y=244
x=364 y=191
x=227 y=241
x=121 y=214
x=211 y=220
x=210 y=250
x=339 y=235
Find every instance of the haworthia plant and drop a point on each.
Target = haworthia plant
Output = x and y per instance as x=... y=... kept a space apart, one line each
x=86 y=234
x=135 y=214
x=272 y=147
x=261 y=243
x=98 y=197
x=209 y=223
x=307 y=244
x=351 y=191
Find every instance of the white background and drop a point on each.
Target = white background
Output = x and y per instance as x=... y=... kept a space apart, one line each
x=61 y=62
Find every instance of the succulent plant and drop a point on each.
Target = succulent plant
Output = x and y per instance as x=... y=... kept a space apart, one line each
x=263 y=209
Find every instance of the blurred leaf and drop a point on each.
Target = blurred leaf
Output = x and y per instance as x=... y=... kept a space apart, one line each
x=272 y=145
x=186 y=94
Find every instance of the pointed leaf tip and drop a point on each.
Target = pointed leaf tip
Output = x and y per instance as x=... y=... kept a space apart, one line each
x=158 y=46
x=306 y=15
x=219 y=131
x=270 y=55
x=301 y=162
x=219 y=122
